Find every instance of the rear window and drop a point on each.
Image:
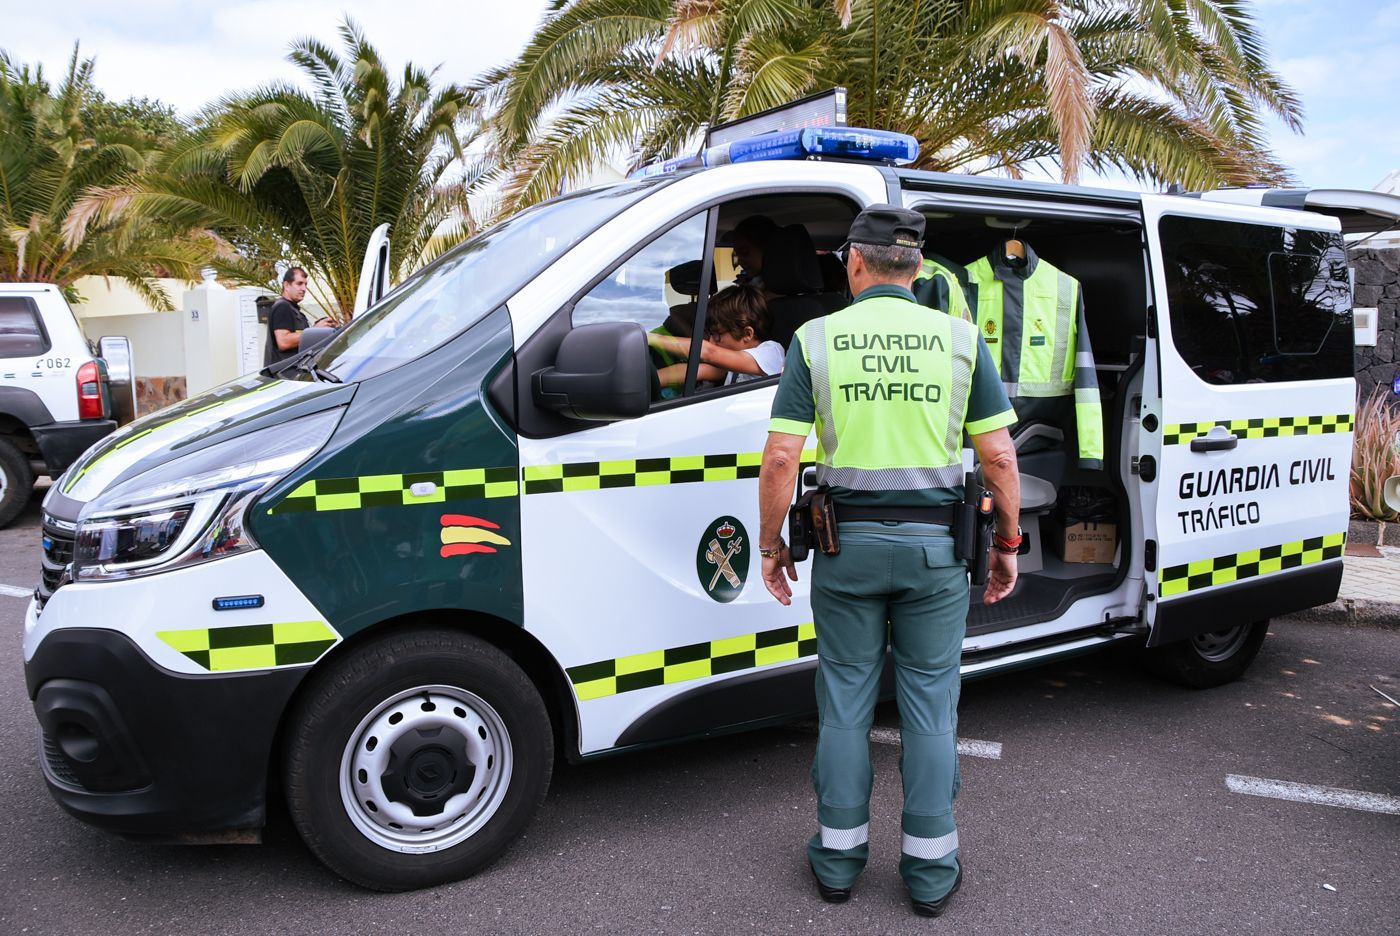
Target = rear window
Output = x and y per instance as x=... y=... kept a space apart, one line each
x=21 y=333
x=1253 y=303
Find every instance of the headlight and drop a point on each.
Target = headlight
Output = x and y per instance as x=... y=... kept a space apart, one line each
x=193 y=508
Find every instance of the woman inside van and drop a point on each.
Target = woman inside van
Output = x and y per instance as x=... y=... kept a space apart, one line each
x=736 y=346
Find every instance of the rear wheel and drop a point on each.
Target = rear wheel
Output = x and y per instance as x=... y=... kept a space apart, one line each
x=1210 y=659
x=416 y=759
x=16 y=482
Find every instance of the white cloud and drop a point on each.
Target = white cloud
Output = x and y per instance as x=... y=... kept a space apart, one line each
x=189 y=55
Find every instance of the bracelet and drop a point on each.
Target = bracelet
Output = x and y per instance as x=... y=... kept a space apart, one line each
x=772 y=552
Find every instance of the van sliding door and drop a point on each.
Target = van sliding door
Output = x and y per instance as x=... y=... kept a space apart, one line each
x=1248 y=448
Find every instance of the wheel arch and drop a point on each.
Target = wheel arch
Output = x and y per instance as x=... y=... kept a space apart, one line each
x=519 y=644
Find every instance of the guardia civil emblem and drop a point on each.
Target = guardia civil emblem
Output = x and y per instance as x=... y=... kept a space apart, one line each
x=722 y=559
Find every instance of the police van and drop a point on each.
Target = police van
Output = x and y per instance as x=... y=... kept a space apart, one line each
x=470 y=533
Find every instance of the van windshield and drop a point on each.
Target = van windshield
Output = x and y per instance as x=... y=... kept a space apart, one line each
x=457 y=290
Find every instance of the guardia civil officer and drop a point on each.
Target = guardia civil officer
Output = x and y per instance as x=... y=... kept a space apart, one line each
x=890 y=386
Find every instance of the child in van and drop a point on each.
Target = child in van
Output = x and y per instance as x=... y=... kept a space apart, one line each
x=736 y=346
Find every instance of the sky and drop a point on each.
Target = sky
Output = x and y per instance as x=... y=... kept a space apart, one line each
x=1342 y=56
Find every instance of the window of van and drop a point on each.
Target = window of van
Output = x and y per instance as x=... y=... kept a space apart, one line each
x=21 y=334
x=1253 y=303
x=451 y=294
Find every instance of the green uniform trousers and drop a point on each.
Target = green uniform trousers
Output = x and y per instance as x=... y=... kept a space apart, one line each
x=898 y=584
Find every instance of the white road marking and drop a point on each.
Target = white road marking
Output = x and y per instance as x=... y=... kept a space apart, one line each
x=14 y=591
x=967 y=747
x=1318 y=795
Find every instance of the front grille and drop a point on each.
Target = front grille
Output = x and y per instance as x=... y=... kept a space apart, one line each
x=54 y=561
x=58 y=767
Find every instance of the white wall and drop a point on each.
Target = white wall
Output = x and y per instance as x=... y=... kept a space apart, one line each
x=157 y=340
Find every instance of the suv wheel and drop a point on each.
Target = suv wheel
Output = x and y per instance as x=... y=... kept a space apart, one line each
x=16 y=482
x=1211 y=659
x=416 y=759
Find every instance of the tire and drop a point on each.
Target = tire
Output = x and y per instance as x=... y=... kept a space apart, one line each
x=1212 y=659
x=16 y=482
x=465 y=750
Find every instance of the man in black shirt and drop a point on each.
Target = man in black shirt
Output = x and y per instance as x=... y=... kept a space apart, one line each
x=285 y=320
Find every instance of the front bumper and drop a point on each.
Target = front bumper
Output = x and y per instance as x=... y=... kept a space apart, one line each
x=137 y=749
x=142 y=738
x=62 y=442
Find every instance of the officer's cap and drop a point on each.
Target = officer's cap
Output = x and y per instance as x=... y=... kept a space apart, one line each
x=887 y=226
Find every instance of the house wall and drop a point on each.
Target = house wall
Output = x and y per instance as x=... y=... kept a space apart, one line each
x=1378 y=287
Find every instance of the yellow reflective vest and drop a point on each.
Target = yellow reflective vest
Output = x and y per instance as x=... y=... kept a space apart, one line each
x=1031 y=315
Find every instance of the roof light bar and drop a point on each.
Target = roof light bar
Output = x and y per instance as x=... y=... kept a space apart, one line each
x=881 y=146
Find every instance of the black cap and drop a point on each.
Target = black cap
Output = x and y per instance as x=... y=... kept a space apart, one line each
x=887 y=226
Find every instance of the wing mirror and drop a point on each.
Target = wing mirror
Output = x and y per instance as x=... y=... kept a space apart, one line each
x=601 y=372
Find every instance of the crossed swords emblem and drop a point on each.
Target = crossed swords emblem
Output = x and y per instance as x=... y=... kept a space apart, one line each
x=719 y=558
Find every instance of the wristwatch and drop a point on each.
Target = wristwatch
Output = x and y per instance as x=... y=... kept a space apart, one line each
x=1009 y=546
x=772 y=552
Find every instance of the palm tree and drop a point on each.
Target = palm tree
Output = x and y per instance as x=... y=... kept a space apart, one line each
x=55 y=145
x=1166 y=90
x=284 y=174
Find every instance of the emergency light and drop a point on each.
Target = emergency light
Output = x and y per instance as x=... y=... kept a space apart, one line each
x=881 y=146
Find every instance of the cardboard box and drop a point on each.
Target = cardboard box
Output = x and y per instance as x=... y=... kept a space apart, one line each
x=1089 y=542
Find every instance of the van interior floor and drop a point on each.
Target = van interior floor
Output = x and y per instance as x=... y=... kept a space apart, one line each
x=1040 y=596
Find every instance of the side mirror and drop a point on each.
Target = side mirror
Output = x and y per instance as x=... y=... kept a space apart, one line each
x=121 y=376
x=315 y=336
x=601 y=372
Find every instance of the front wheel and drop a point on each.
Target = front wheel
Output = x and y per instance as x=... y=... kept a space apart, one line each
x=1211 y=659
x=416 y=759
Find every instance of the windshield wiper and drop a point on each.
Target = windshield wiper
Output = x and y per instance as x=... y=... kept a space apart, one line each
x=305 y=362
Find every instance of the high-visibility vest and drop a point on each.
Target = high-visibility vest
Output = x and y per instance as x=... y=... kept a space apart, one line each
x=1032 y=320
x=939 y=285
x=890 y=383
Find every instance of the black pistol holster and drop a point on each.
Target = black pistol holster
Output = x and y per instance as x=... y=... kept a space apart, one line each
x=813 y=520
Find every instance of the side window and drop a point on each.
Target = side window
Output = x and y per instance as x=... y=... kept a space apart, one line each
x=1253 y=303
x=660 y=280
x=20 y=332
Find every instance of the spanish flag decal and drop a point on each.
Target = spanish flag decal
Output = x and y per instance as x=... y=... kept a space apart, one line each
x=463 y=535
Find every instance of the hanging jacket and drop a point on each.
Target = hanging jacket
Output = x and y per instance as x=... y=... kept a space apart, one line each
x=1031 y=316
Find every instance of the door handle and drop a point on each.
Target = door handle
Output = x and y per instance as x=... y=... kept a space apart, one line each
x=1214 y=443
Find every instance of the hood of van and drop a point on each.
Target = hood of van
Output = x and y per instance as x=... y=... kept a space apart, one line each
x=242 y=406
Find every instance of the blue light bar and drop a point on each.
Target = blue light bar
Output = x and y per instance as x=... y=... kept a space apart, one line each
x=881 y=146
x=237 y=603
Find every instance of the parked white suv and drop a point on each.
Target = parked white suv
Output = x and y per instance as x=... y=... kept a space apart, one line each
x=58 y=394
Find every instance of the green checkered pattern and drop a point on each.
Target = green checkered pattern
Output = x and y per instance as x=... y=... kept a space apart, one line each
x=645 y=472
x=253 y=646
x=1205 y=573
x=696 y=661
x=392 y=490
x=1265 y=428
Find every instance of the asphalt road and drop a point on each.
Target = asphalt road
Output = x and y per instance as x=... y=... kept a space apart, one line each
x=1107 y=813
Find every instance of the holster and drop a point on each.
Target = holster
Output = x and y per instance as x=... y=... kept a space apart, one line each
x=812 y=522
x=972 y=535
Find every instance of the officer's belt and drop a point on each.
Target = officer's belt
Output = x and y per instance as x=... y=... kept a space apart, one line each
x=946 y=515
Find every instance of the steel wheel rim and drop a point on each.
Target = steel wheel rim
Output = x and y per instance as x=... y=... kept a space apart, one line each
x=1220 y=645
x=458 y=718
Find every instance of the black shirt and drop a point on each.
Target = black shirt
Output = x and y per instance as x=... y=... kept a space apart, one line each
x=284 y=314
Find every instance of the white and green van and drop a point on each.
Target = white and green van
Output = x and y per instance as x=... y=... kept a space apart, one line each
x=398 y=578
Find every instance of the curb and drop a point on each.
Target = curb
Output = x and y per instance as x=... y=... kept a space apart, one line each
x=1355 y=612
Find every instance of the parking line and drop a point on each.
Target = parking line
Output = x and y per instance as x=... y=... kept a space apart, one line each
x=1318 y=795
x=14 y=591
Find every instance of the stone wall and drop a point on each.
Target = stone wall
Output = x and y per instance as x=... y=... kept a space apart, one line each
x=153 y=393
x=1378 y=287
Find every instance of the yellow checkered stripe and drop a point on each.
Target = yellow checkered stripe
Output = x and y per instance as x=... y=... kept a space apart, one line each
x=253 y=646
x=645 y=472
x=394 y=490
x=1271 y=427
x=695 y=661
x=1205 y=573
